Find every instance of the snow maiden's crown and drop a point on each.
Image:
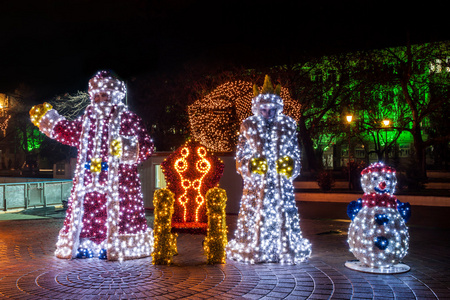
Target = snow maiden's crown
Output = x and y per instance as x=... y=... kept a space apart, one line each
x=105 y=81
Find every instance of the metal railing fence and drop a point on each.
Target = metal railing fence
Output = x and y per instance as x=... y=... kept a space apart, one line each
x=25 y=195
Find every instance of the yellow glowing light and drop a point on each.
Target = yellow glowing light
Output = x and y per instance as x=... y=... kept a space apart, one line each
x=165 y=244
x=216 y=238
x=38 y=111
x=203 y=166
x=386 y=122
x=4 y=124
x=259 y=165
x=349 y=118
x=96 y=165
x=116 y=147
x=215 y=119
x=285 y=166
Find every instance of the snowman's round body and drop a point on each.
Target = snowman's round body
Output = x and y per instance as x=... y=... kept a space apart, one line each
x=378 y=244
x=378 y=236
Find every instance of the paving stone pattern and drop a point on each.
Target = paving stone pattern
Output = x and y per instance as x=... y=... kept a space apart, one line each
x=29 y=270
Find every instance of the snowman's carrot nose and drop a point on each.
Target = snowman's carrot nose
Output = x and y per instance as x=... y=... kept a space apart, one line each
x=382 y=185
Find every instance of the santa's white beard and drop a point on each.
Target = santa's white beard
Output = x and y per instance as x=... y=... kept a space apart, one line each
x=102 y=109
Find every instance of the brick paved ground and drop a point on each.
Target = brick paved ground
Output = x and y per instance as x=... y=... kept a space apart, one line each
x=28 y=269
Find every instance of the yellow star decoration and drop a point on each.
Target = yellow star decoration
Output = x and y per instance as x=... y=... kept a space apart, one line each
x=285 y=166
x=96 y=165
x=38 y=111
x=116 y=147
x=258 y=165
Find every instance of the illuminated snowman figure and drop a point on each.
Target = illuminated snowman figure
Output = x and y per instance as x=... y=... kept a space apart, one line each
x=378 y=236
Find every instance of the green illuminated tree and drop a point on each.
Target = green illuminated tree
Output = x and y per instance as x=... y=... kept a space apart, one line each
x=29 y=143
x=324 y=90
x=406 y=85
x=377 y=103
x=26 y=134
x=420 y=75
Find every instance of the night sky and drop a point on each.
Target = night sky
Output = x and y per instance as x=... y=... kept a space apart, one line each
x=56 y=46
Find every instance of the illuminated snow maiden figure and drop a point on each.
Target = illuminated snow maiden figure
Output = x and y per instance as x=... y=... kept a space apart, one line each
x=268 y=159
x=378 y=236
x=105 y=216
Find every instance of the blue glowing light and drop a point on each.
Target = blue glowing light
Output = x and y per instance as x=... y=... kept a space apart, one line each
x=381 y=219
x=102 y=254
x=404 y=209
x=381 y=242
x=84 y=253
x=353 y=208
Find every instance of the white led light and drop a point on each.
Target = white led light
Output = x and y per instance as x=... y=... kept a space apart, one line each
x=378 y=235
x=106 y=205
x=268 y=228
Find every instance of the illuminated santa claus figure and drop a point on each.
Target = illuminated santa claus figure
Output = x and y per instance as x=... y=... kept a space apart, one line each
x=105 y=217
x=268 y=159
x=378 y=236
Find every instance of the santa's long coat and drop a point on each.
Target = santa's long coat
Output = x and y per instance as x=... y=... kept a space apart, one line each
x=105 y=205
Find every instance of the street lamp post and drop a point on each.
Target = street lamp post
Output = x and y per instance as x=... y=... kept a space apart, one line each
x=386 y=123
x=349 y=121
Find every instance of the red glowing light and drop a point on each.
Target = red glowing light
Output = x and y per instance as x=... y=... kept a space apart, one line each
x=190 y=172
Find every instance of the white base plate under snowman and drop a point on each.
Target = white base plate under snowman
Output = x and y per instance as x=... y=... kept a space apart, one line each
x=358 y=266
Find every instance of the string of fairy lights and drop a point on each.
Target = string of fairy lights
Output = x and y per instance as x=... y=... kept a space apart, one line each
x=378 y=235
x=268 y=158
x=190 y=172
x=165 y=246
x=105 y=216
x=203 y=166
x=216 y=237
x=4 y=123
x=191 y=196
x=215 y=118
x=5 y=116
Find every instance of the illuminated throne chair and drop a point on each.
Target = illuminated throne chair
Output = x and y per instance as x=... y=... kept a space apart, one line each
x=190 y=172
